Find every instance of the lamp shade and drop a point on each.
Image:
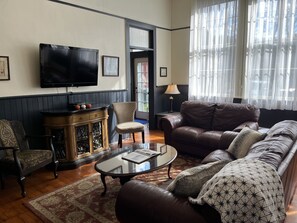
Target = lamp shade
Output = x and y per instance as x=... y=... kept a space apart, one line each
x=172 y=89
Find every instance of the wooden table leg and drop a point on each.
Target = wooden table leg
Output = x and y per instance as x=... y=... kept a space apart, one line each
x=168 y=173
x=104 y=184
x=124 y=180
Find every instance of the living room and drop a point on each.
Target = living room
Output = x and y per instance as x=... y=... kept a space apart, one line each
x=101 y=25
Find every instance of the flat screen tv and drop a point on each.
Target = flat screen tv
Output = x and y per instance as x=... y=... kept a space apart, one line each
x=66 y=66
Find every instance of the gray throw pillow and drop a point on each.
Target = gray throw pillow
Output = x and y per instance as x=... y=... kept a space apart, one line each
x=243 y=141
x=190 y=181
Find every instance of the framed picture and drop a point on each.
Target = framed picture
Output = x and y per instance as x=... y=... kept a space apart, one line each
x=110 y=66
x=163 y=71
x=4 y=68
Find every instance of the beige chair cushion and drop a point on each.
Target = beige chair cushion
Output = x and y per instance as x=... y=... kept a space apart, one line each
x=129 y=127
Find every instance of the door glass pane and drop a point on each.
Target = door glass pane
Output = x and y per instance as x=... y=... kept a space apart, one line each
x=142 y=87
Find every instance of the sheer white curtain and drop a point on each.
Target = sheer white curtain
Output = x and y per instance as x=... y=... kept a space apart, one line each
x=271 y=59
x=213 y=42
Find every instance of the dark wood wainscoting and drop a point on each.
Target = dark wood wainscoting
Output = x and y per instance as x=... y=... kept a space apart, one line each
x=162 y=103
x=269 y=117
x=27 y=109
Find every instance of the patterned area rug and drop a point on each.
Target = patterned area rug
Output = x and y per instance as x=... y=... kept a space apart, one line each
x=82 y=201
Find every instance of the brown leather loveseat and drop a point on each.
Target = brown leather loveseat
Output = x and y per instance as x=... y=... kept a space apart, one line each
x=138 y=201
x=201 y=127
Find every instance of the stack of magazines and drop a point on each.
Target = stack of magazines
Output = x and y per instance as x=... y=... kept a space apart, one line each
x=140 y=155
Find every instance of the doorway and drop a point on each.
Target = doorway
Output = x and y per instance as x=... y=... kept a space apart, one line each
x=140 y=83
x=140 y=39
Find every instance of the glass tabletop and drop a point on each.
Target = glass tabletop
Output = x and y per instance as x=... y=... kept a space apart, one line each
x=115 y=165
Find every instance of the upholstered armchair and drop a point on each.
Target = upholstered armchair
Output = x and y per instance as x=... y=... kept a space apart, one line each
x=16 y=158
x=125 y=112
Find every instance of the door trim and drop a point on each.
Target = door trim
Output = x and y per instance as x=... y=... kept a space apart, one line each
x=152 y=68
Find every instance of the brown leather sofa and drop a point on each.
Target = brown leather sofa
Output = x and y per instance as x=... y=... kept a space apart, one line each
x=138 y=201
x=201 y=127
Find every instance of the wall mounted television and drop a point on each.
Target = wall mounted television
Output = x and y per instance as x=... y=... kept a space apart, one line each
x=66 y=66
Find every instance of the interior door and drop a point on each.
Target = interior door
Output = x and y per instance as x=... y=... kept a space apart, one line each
x=141 y=87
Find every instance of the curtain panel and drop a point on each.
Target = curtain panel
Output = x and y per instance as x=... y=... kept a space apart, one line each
x=271 y=58
x=267 y=42
x=213 y=45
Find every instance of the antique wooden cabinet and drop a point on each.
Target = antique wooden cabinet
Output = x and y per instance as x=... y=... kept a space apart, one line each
x=79 y=135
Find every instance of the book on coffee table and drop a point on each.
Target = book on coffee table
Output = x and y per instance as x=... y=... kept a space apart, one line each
x=140 y=155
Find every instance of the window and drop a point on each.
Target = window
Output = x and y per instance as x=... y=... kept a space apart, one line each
x=213 y=50
x=254 y=49
x=139 y=37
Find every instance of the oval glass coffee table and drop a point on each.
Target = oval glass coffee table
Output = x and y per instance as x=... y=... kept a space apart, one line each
x=115 y=166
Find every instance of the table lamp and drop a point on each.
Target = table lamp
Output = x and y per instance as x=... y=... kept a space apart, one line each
x=171 y=89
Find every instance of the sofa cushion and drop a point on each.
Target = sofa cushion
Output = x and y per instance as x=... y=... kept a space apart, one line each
x=271 y=150
x=218 y=155
x=189 y=182
x=210 y=139
x=243 y=141
x=229 y=116
x=285 y=128
x=187 y=134
x=197 y=136
x=198 y=114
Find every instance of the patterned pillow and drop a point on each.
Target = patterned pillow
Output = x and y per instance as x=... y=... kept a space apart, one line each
x=189 y=182
x=245 y=191
x=243 y=141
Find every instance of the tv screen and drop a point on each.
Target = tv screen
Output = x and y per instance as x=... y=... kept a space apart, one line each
x=65 y=66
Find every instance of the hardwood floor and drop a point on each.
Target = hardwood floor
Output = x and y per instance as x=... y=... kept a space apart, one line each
x=41 y=182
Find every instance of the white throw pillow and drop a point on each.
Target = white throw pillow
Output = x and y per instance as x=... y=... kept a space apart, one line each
x=243 y=142
x=190 y=181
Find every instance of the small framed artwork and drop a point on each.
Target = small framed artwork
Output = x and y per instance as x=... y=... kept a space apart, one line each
x=110 y=66
x=163 y=71
x=4 y=68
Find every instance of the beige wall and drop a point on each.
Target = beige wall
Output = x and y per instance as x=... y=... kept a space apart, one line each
x=180 y=40
x=154 y=12
x=163 y=56
x=25 y=24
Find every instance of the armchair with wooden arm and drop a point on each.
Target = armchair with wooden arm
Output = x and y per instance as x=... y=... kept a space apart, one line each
x=17 y=158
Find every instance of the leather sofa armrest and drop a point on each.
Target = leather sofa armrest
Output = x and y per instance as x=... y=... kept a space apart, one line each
x=168 y=123
x=138 y=201
x=251 y=125
x=226 y=139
